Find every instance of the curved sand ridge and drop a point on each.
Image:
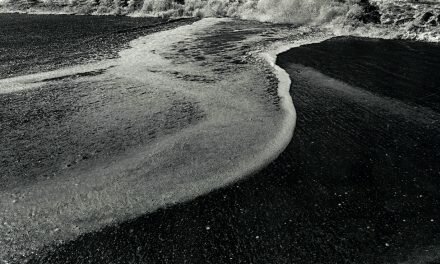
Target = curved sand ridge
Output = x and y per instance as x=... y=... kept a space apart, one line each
x=240 y=127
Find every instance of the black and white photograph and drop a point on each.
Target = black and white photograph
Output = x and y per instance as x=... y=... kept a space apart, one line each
x=220 y=131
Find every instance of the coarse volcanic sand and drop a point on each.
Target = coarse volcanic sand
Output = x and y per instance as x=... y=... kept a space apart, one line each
x=358 y=183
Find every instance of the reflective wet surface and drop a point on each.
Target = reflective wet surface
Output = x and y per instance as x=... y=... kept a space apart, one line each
x=358 y=184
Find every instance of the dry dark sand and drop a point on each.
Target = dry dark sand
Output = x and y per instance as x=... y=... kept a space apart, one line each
x=358 y=183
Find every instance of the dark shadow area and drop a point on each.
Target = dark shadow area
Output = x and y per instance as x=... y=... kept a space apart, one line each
x=405 y=70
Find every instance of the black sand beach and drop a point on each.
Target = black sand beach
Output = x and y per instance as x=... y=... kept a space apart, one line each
x=358 y=183
x=35 y=43
x=40 y=122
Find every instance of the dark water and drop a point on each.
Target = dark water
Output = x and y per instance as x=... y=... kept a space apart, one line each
x=34 y=43
x=358 y=183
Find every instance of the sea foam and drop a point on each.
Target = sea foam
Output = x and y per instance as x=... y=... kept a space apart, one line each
x=215 y=64
x=292 y=11
x=242 y=129
x=402 y=19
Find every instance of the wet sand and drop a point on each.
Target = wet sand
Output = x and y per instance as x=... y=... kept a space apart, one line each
x=36 y=43
x=86 y=150
x=44 y=132
x=358 y=183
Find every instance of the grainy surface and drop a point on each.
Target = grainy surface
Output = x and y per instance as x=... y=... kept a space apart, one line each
x=358 y=183
x=177 y=115
x=48 y=130
x=35 y=43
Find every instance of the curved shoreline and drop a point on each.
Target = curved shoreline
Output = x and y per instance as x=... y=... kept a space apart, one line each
x=319 y=168
x=289 y=213
x=287 y=131
x=73 y=197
